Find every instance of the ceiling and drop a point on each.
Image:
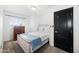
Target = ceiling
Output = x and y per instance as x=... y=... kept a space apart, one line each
x=26 y=9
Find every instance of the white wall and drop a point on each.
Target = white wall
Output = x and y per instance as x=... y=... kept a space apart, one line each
x=9 y=23
x=34 y=23
x=1 y=30
x=76 y=29
x=31 y=23
x=27 y=24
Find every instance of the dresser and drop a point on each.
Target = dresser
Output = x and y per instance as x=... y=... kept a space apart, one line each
x=18 y=30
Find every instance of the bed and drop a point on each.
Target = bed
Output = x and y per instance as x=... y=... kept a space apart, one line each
x=32 y=41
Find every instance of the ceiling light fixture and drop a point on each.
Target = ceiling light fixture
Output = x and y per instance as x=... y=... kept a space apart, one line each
x=33 y=8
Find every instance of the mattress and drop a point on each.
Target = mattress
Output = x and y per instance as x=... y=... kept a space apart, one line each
x=44 y=38
x=27 y=47
x=42 y=35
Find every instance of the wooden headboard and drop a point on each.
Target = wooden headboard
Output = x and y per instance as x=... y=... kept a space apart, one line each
x=18 y=30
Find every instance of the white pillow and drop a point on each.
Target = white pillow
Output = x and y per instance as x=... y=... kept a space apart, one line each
x=46 y=29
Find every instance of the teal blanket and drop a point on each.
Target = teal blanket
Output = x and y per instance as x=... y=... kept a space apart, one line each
x=35 y=41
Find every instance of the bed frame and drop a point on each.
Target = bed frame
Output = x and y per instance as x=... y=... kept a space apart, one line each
x=26 y=46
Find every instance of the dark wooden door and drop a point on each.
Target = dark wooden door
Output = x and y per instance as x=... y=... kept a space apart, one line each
x=63 y=30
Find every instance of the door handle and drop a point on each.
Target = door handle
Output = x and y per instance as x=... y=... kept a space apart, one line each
x=56 y=31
